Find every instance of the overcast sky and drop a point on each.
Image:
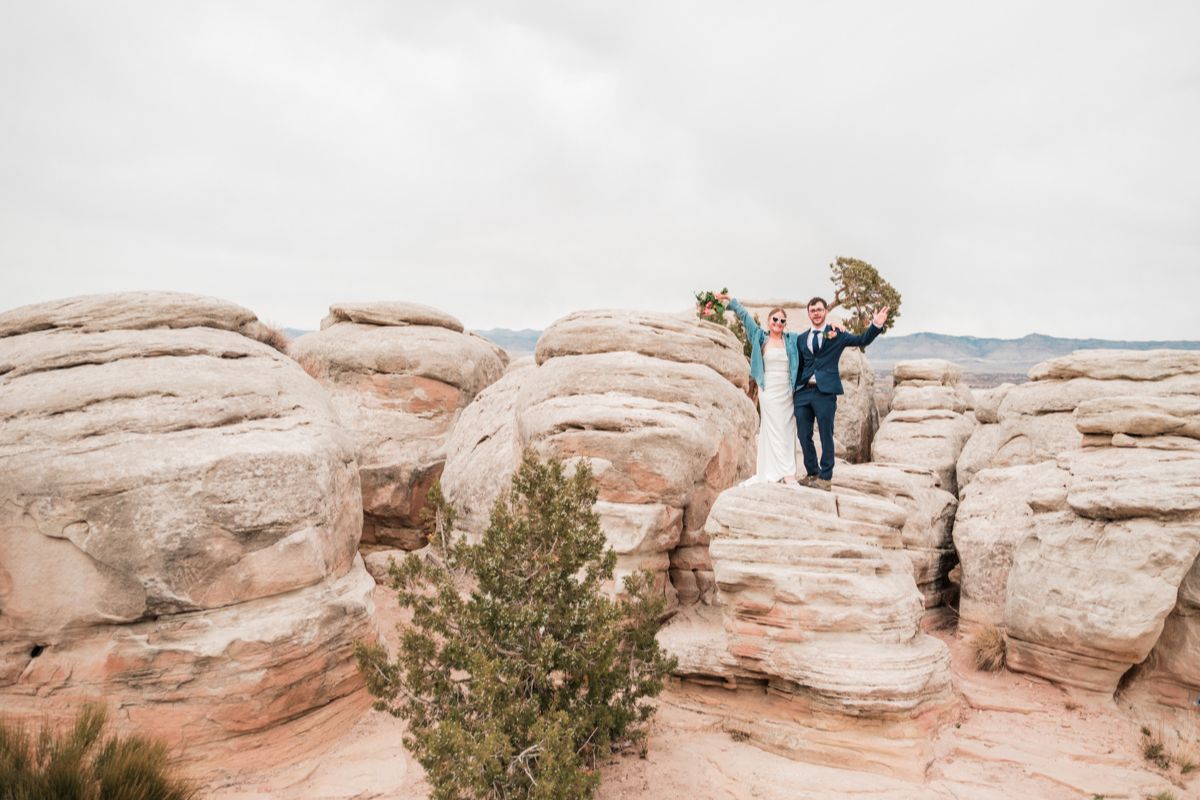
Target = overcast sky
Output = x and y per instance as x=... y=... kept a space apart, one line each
x=1010 y=167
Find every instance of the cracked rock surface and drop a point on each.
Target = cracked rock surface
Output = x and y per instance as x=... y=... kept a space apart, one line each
x=179 y=520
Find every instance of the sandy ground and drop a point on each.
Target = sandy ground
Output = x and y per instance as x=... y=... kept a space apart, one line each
x=1016 y=737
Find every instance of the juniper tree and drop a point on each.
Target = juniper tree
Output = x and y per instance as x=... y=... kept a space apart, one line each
x=859 y=288
x=517 y=674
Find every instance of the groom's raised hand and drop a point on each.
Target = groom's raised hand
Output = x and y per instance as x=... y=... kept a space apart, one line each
x=880 y=317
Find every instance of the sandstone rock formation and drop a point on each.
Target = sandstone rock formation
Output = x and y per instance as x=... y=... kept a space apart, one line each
x=929 y=515
x=179 y=520
x=817 y=604
x=1116 y=546
x=399 y=375
x=1033 y=421
x=994 y=517
x=930 y=420
x=658 y=406
x=1085 y=556
x=857 y=418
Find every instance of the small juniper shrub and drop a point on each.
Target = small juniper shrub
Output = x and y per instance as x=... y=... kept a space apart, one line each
x=79 y=765
x=519 y=679
x=988 y=649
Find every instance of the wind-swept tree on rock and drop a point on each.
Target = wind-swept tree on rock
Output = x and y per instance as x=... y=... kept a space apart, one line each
x=517 y=674
x=861 y=290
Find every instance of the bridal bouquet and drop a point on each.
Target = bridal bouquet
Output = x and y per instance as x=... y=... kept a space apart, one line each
x=710 y=308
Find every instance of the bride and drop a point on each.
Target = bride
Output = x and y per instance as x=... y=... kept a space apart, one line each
x=774 y=366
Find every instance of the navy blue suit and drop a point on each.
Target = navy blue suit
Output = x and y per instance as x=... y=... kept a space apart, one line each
x=820 y=402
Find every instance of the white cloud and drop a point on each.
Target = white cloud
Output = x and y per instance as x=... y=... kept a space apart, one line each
x=1027 y=167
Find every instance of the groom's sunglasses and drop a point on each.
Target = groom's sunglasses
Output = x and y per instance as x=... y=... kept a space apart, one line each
x=780 y=320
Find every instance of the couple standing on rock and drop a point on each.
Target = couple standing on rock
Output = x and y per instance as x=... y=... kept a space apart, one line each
x=798 y=382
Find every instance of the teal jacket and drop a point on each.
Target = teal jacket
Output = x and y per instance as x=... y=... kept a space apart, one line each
x=758 y=337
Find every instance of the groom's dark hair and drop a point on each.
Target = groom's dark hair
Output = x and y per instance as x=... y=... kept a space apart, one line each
x=816 y=300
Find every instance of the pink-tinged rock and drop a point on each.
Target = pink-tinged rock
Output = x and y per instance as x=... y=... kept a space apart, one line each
x=660 y=336
x=929 y=514
x=647 y=400
x=817 y=600
x=1170 y=675
x=179 y=511
x=399 y=375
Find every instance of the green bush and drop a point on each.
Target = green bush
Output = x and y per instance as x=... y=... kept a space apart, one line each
x=517 y=675
x=860 y=290
x=76 y=765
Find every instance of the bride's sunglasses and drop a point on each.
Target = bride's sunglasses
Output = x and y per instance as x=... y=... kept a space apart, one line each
x=780 y=320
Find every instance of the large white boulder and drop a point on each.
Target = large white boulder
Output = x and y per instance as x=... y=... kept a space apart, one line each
x=179 y=520
x=817 y=600
x=656 y=404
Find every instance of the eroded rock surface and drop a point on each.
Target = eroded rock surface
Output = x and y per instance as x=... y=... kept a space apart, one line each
x=930 y=421
x=1084 y=556
x=1034 y=421
x=179 y=520
x=817 y=601
x=929 y=515
x=399 y=375
x=656 y=404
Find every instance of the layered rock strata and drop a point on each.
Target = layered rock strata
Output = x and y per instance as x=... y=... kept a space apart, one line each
x=1088 y=561
x=994 y=517
x=655 y=403
x=399 y=374
x=930 y=421
x=1117 y=545
x=179 y=520
x=1033 y=421
x=815 y=642
x=929 y=516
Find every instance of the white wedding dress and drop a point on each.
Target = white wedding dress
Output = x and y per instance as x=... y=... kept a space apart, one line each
x=777 y=429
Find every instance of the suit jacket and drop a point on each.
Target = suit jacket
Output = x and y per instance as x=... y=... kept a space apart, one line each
x=824 y=365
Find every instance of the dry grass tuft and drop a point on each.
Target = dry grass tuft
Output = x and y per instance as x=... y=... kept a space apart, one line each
x=988 y=648
x=1165 y=751
x=1154 y=752
x=274 y=336
x=77 y=765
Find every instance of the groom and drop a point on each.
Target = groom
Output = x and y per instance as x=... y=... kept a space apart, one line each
x=819 y=384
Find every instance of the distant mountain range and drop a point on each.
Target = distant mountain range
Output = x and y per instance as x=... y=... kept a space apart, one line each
x=520 y=342
x=975 y=354
x=972 y=353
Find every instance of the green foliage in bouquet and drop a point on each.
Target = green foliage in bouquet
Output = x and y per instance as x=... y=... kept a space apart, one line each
x=710 y=309
x=517 y=675
x=862 y=291
x=77 y=765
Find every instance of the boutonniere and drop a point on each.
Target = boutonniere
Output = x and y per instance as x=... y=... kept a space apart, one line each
x=831 y=334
